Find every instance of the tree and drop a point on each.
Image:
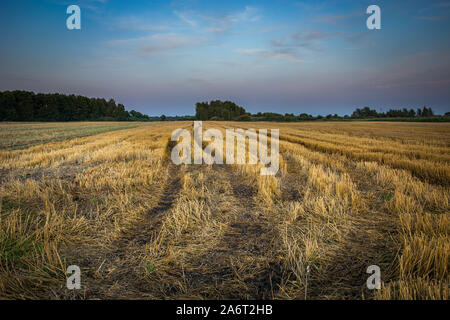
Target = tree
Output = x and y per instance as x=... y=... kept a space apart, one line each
x=24 y=105
x=427 y=112
x=28 y=106
x=366 y=112
x=8 y=107
x=218 y=110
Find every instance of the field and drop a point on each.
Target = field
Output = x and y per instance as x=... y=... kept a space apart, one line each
x=19 y=136
x=106 y=197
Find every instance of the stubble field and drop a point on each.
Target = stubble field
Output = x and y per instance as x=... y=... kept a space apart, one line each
x=106 y=197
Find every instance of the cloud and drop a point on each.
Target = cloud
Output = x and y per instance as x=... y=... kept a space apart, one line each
x=304 y=39
x=312 y=35
x=93 y=5
x=336 y=19
x=288 y=56
x=165 y=42
x=434 y=12
x=445 y=4
x=156 y=43
x=431 y=18
x=197 y=81
x=405 y=77
x=184 y=17
x=219 y=24
x=271 y=29
x=358 y=37
x=249 y=14
x=138 y=24
x=217 y=29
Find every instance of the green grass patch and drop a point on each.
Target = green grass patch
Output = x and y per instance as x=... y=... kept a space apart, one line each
x=15 y=249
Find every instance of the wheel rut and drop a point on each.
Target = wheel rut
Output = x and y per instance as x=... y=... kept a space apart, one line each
x=244 y=263
x=116 y=273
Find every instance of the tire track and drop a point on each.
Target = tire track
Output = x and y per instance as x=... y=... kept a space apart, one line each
x=368 y=239
x=116 y=273
x=244 y=263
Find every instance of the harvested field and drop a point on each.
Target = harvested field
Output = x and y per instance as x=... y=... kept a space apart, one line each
x=20 y=136
x=108 y=198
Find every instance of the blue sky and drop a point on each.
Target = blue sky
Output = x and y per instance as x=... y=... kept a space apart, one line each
x=160 y=57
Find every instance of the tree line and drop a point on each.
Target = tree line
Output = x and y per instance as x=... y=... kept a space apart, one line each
x=366 y=112
x=225 y=111
x=28 y=106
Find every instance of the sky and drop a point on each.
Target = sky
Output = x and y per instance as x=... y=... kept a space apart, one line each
x=161 y=57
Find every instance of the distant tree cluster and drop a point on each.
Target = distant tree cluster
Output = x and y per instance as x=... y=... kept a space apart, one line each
x=392 y=113
x=223 y=111
x=28 y=106
x=173 y=118
x=275 y=117
x=218 y=110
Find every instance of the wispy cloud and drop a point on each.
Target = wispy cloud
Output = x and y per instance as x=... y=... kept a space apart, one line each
x=271 y=29
x=304 y=39
x=403 y=76
x=436 y=11
x=357 y=37
x=251 y=14
x=185 y=17
x=219 y=24
x=431 y=18
x=445 y=4
x=156 y=43
x=312 y=35
x=337 y=19
x=94 y=5
x=288 y=56
x=162 y=42
x=138 y=24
